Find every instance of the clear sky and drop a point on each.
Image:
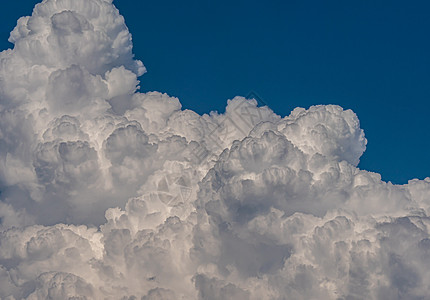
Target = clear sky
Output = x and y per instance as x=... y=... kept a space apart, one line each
x=370 y=56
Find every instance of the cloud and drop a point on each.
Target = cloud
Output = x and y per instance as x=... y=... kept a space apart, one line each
x=109 y=193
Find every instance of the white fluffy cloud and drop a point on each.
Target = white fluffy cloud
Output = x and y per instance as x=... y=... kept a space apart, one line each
x=108 y=193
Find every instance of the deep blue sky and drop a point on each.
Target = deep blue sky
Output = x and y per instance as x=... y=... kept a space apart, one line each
x=370 y=56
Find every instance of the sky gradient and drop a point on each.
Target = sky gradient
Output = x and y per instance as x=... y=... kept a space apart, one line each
x=369 y=56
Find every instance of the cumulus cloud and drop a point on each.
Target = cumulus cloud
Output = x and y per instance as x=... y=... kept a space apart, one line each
x=109 y=193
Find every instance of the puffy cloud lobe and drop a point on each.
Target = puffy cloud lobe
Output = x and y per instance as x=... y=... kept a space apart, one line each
x=61 y=286
x=163 y=203
x=88 y=33
x=74 y=89
x=328 y=130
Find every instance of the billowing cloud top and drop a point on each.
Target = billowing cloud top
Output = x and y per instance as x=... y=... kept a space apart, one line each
x=108 y=193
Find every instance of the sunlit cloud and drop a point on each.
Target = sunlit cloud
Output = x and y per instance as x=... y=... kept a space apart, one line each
x=108 y=193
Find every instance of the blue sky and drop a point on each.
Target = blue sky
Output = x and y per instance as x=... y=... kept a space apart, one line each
x=370 y=56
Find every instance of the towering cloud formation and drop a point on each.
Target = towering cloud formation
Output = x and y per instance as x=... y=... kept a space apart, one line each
x=108 y=193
